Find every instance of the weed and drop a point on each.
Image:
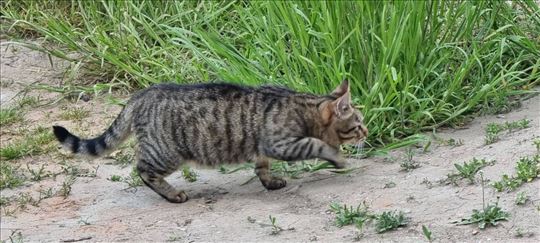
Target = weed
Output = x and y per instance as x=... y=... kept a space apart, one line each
x=9 y=116
x=24 y=199
x=427 y=233
x=10 y=177
x=275 y=228
x=75 y=114
x=38 y=174
x=124 y=158
x=173 y=238
x=390 y=220
x=527 y=169
x=454 y=143
x=489 y=215
x=84 y=221
x=16 y=237
x=521 y=198
x=115 y=178
x=493 y=130
x=520 y=233
x=390 y=185
x=247 y=166
x=134 y=179
x=349 y=215
x=469 y=170
x=34 y=142
x=44 y=194
x=4 y=201
x=188 y=174
x=536 y=143
x=409 y=163
x=65 y=190
x=28 y=101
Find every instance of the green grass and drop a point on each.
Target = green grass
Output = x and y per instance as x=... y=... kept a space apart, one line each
x=34 y=142
x=134 y=179
x=488 y=216
x=189 y=174
x=521 y=198
x=349 y=215
x=414 y=65
x=75 y=114
x=10 y=176
x=527 y=169
x=493 y=130
x=9 y=116
x=469 y=170
x=389 y=221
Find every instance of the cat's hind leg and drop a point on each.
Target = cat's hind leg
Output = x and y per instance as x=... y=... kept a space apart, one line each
x=153 y=172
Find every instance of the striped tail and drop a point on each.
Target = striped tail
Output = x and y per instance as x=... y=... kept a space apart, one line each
x=101 y=145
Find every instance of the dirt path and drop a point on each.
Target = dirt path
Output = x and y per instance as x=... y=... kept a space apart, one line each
x=222 y=209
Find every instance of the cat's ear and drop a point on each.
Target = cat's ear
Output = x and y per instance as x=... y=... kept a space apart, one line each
x=342 y=105
x=342 y=88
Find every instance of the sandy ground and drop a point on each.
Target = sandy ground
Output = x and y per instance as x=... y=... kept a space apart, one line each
x=98 y=209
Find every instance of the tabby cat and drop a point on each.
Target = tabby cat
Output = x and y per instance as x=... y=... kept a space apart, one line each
x=218 y=123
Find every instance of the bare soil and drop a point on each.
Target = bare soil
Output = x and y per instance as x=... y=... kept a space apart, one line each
x=98 y=209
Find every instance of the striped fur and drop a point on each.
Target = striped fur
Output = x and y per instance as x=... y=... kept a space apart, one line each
x=220 y=123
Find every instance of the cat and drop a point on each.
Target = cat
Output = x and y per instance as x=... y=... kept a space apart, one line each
x=216 y=123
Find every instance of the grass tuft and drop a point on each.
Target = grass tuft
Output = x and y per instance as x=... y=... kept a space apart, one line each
x=10 y=176
x=34 y=142
x=9 y=116
x=389 y=221
x=486 y=217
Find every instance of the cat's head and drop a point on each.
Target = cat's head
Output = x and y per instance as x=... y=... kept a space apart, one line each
x=343 y=123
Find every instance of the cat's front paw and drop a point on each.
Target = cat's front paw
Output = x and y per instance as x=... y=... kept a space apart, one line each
x=339 y=164
x=177 y=197
x=275 y=183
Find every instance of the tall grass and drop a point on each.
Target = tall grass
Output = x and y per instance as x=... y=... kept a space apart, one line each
x=414 y=65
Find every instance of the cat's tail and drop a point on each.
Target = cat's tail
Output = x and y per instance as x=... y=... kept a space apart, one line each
x=101 y=145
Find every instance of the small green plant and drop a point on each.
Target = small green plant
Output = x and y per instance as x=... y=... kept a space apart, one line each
x=469 y=170
x=74 y=114
x=488 y=216
x=115 y=178
x=34 y=142
x=134 y=179
x=492 y=133
x=275 y=228
x=389 y=220
x=4 y=201
x=65 y=190
x=349 y=215
x=536 y=143
x=408 y=163
x=9 y=116
x=188 y=174
x=493 y=130
x=44 y=194
x=124 y=157
x=28 y=101
x=24 y=199
x=527 y=169
x=427 y=233
x=521 y=198
x=37 y=174
x=10 y=176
